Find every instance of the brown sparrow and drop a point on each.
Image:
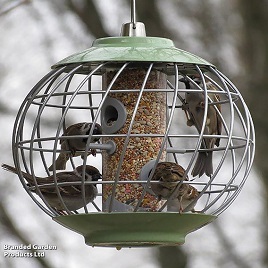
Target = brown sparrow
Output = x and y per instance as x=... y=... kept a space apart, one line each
x=76 y=144
x=168 y=174
x=71 y=194
x=194 y=110
x=187 y=195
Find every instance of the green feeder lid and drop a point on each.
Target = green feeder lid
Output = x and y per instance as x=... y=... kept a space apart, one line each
x=139 y=229
x=134 y=49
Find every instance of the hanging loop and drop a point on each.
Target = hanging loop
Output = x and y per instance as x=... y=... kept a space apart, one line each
x=133 y=28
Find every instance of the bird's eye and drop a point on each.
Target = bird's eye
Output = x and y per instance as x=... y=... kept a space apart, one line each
x=96 y=130
x=200 y=107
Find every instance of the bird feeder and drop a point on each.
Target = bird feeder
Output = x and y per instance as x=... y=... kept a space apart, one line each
x=131 y=86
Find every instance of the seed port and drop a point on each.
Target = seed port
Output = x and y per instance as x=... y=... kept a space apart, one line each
x=114 y=115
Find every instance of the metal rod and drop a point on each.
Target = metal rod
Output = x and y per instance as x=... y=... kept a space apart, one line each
x=231 y=187
x=133 y=13
x=192 y=136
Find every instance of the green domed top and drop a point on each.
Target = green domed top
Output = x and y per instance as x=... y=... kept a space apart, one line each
x=139 y=49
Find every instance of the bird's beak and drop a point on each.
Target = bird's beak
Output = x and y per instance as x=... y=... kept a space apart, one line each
x=96 y=177
x=183 y=80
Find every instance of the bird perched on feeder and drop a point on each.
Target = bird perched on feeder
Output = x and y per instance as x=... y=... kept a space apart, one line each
x=185 y=201
x=75 y=144
x=169 y=175
x=72 y=194
x=194 y=110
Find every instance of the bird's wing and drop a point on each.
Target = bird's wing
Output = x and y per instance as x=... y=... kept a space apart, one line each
x=175 y=168
x=70 y=189
x=178 y=170
x=72 y=130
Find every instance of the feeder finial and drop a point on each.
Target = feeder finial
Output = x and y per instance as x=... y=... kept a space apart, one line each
x=133 y=28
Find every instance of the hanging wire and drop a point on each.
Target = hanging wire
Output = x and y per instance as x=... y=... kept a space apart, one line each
x=133 y=13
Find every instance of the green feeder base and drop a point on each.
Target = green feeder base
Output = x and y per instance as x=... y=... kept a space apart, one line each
x=139 y=229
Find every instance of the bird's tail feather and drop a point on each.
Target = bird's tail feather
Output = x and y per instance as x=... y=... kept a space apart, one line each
x=9 y=168
x=203 y=164
x=25 y=175
x=209 y=165
x=60 y=163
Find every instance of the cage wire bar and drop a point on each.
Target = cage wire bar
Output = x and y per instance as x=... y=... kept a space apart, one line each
x=132 y=86
x=216 y=192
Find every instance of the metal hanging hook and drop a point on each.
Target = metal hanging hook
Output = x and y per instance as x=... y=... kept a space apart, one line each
x=133 y=28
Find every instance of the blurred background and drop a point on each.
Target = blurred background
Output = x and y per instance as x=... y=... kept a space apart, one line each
x=232 y=34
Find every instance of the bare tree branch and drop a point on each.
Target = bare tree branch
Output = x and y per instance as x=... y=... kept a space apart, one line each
x=149 y=14
x=8 y=110
x=47 y=40
x=11 y=6
x=90 y=16
x=231 y=254
x=254 y=56
x=10 y=227
x=171 y=257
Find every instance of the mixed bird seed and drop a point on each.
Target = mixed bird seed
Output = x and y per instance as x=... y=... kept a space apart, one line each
x=150 y=118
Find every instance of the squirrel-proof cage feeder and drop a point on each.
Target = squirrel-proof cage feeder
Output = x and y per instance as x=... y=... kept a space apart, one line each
x=152 y=109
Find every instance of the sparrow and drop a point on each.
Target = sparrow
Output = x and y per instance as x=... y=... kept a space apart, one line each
x=186 y=197
x=168 y=174
x=71 y=194
x=195 y=107
x=76 y=144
